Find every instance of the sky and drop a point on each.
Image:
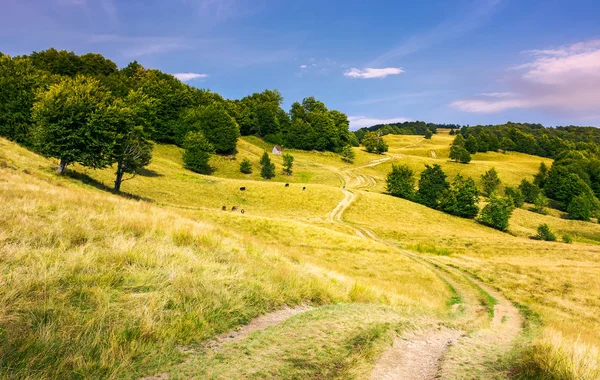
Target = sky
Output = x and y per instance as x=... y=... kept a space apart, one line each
x=443 y=61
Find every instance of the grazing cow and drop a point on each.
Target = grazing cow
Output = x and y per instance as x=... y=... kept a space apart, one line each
x=234 y=208
x=344 y=187
x=303 y=188
x=287 y=185
x=242 y=189
x=224 y=208
x=243 y=211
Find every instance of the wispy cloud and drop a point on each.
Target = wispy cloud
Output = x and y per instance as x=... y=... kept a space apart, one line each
x=135 y=47
x=357 y=122
x=370 y=73
x=559 y=80
x=214 y=11
x=404 y=98
x=185 y=77
x=303 y=66
x=498 y=94
x=455 y=26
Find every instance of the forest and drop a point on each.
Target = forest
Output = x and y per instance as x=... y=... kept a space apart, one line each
x=84 y=109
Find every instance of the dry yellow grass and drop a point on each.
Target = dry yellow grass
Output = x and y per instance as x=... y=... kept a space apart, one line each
x=560 y=282
x=126 y=281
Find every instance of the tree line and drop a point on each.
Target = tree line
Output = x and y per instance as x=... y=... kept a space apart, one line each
x=571 y=184
x=532 y=139
x=84 y=109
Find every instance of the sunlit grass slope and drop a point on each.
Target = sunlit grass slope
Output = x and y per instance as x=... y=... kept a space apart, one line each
x=560 y=282
x=96 y=285
x=167 y=182
x=416 y=152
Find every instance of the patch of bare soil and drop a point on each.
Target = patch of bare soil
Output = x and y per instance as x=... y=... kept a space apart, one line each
x=415 y=355
x=257 y=324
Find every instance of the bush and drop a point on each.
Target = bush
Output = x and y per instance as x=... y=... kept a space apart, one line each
x=267 y=170
x=288 y=162
x=471 y=145
x=490 y=181
x=530 y=191
x=432 y=186
x=545 y=233
x=428 y=134
x=401 y=182
x=382 y=147
x=246 y=166
x=217 y=125
x=497 y=213
x=540 y=203
x=581 y=207
x=197 y=152
x=567 y=239
x=348 y=154
x=460 y=154
x=461 y=200
x=515 y=195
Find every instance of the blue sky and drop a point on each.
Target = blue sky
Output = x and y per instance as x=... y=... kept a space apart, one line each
x=465 y=61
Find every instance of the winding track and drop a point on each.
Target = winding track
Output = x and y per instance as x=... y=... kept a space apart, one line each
x=440 y=352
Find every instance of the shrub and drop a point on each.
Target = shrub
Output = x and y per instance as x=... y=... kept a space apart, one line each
x=490 y=181
x=428 y=134
x=401 y=182
x=197 y=152
x=530 y=191
x=581 y=207
x=246 y=166
x=461 y=200
x=267 y=170
x=460 y=154
x=432 y=186
x=471 y=144
x=545 y=233
x=567 y=239
x=288 y=162
x=540 y=203
x=516 y=195
x=348 y=154
x=497 y=213
x=382 y=146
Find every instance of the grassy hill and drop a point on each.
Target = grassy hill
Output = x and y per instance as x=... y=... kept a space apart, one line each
x=129 y=280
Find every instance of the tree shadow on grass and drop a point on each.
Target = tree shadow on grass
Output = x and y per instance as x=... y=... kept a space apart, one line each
x=144 y=172
x=84 y=178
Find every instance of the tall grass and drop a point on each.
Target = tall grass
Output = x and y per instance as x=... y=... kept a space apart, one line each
x=555 y=357
x=96 y=286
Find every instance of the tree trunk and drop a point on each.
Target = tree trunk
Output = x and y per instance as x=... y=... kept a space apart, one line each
x=61 y=166
x=119 y=177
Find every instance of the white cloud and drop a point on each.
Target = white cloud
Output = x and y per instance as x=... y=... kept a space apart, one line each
x=185 y=77
x=303 y=66
x=370 y=73
x=498 y=94
x=562 y=80
x=357 y=122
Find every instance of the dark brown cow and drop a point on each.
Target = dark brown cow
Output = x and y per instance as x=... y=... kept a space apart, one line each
x=287 y=185
x=303 y=188
x=224 y=208
x=242 y=189
x=234 y=208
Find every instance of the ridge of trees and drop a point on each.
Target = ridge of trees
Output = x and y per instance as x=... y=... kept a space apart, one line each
x=84 y=109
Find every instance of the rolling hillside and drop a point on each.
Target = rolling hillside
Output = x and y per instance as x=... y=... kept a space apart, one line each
x=143 y=284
